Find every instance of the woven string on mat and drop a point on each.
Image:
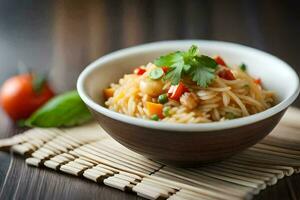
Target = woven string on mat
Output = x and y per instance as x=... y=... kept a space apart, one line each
x=88 y=152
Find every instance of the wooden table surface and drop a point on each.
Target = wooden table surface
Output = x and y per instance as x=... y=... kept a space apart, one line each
x=61 y=37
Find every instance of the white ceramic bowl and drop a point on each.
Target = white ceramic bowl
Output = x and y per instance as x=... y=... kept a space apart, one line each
x=275 y=74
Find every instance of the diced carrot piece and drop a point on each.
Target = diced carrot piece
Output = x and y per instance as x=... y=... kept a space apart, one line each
x=154 y=108
x=108 y=92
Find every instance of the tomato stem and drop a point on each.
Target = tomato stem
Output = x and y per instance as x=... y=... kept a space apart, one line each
x=38 y=82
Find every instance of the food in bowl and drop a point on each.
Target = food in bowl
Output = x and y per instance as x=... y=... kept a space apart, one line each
x=187 y=143
x=186 y=87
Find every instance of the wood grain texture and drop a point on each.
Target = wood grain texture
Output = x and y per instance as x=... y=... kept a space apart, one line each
x=25 y=182
x=62 y=39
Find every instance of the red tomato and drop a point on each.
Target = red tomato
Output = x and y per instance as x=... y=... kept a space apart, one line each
x=165 y=69
x=19 y=100
x=176 y=91
x=220 y=61
x=226 y=74
x=139 y=71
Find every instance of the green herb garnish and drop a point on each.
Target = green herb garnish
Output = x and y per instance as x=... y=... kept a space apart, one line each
x=163 y=98
x=64 y=110
x=243 y=67
x=156 y=73
x=230 y=115
x=200 y=68
x=155 y=117
x=246 y=86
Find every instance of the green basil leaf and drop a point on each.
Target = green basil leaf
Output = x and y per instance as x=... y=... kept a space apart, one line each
x=64 y=110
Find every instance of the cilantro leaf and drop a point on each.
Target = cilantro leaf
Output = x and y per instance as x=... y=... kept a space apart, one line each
x=193 y=50
x=203 y=76
x=204 y=72
x=207 y=61
x=186 y=68
x=201 y=68
x=176 y=62
x=175 y=74
x=169 y=59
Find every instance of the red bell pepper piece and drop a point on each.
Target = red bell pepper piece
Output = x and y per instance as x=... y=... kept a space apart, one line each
x=176 y=91
x=220 y=61
x=226 y=74
x=257 y=81
x=139 y=71
x=165 y=69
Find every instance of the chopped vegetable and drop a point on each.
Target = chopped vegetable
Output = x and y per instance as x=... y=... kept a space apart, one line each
x=220 y=61
x=165 y=69
x=151 y=87
x=163 y=98
x=64 y=110
x=200 y=68
x=229 y=115
x=108 y=92
x=139 y=71
x=176 y=91
x=155 y=117
x=246 y=86
x=21 y=95
x=166 y=111
x=257 y=81
x=156 y=73
x=243 y=67
x=154 y=108
x=226 y=74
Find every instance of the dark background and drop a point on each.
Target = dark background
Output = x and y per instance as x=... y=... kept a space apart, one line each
x=60 y=38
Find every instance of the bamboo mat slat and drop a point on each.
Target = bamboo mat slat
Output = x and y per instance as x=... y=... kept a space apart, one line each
x=88 y=152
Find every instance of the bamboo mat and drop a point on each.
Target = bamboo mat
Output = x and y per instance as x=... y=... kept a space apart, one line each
x=88 y=152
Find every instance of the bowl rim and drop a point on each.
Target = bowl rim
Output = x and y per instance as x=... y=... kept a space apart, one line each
x=179 y=127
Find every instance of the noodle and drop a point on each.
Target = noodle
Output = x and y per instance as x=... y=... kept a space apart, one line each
x=222 y=100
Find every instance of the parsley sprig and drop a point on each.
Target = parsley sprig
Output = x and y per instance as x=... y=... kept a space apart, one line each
x=200 y=68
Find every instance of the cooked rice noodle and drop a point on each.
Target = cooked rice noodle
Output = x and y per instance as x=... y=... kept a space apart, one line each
x=240 y=97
